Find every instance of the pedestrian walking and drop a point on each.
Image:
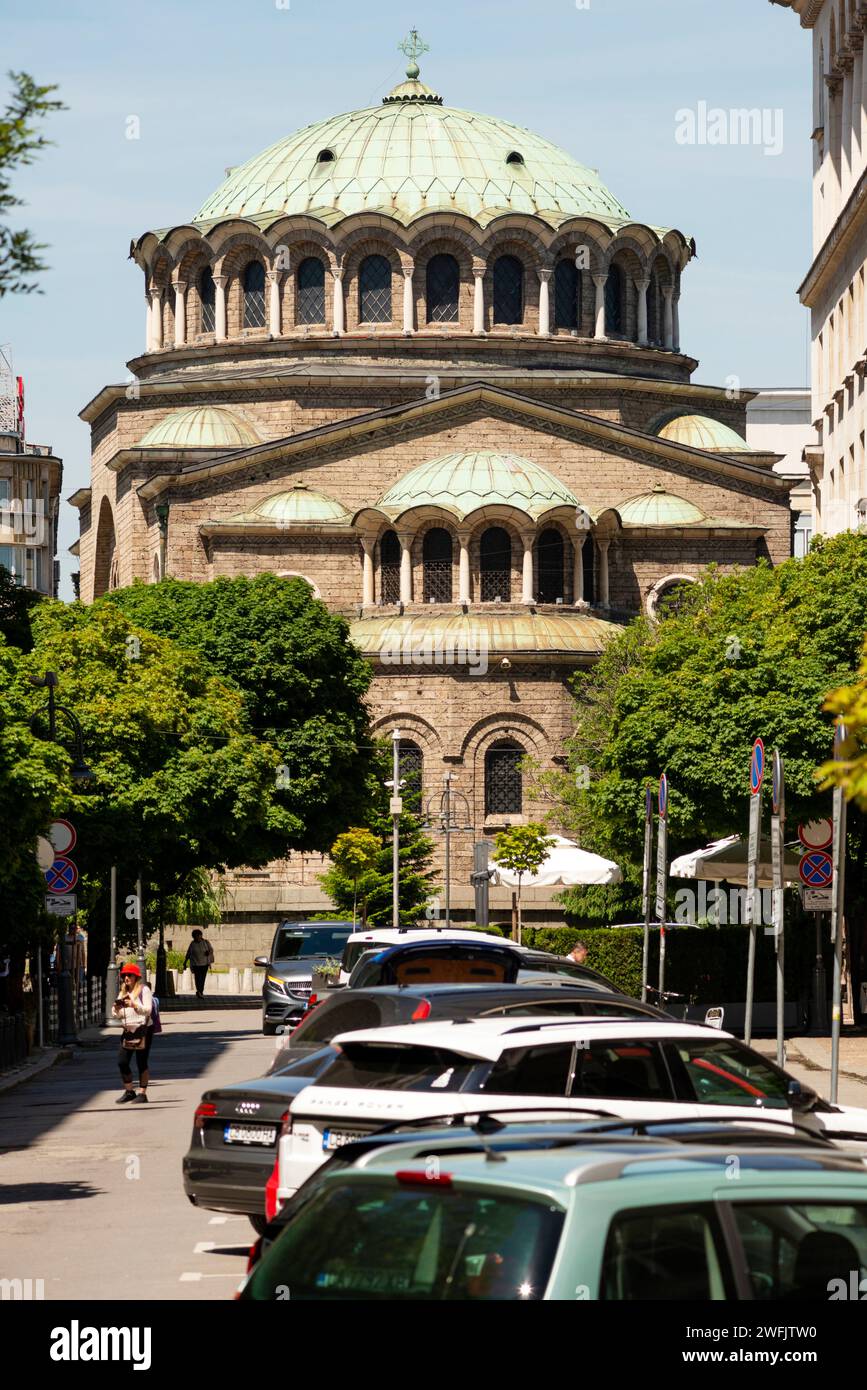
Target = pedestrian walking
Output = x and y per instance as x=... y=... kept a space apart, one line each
x=134 y=1007
x=200 y=955
x=578 y=954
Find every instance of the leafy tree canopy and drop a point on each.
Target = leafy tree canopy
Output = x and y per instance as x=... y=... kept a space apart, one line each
x=20 y=143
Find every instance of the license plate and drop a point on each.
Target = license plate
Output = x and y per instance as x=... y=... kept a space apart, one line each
x=249 y=1134
x=336 y=1138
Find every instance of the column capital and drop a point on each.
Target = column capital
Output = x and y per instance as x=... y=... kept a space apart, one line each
x=599 y=280
x=220 y=280
x=408 y=270
x=668 y=291
x=181 y=286
x=338 y=271
x=544 y=272
x=480 y=269
x=642 y=282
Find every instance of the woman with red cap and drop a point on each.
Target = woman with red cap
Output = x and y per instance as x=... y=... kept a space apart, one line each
x=134 y=1007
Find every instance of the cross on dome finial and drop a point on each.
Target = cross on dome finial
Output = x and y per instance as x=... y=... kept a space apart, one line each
x=413 y=46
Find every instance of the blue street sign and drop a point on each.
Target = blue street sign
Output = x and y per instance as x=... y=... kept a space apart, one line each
x=816 y=869
x=757 y=767
x=62 y=876
x=663 y=796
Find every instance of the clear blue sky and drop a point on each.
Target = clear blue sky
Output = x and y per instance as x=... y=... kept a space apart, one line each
x=213 y=83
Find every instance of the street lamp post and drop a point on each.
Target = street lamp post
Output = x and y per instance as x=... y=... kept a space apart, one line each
x=81 y=773
x=444 y=815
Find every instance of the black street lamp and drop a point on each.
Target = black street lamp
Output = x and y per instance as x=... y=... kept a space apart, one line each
x=81 y=774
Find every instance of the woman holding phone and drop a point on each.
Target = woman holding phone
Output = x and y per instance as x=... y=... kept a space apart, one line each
x=134 y=1007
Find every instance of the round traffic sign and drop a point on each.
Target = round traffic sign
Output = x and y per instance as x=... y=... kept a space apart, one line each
x=816 y=834
x=757 y=767
x=816 y=868
x=777 y=784
x=62 y=876
x=663 y=797
x=62 y=835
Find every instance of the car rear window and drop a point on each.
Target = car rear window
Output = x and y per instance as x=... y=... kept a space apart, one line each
x=336 y=1016
x=460 y=967
x=386 y=1240
x=392 y=1068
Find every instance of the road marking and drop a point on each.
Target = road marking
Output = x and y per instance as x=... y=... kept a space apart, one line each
x=218 y=1220
x=204 y=1246
x=194 y=1278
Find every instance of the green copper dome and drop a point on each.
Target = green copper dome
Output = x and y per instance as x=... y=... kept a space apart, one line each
x=299 y=506
x=200 y=427
x=463 y=482
x=404 y=640
x=659 y=508
x=701 y=432
x=409 y=156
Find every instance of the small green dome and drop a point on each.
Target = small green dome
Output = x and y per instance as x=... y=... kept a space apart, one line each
x=463 y=482
x=407 y=157
x=659 y=508
x=701 y=432
x=299 y=506
x=200 y=427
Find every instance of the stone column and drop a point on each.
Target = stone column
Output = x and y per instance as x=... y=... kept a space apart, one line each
x=149 y=326
x=156 y=321
x=846 y=137
x=599 y=282
x=180 y=313
x=220 y=328
x=578 y=567
x=668 y=296
x=675 y=322
x=463 y=568
x=367 y=597
x=603 y=543
x=339 y=315
x=405 y=568
x=275 y=326
x=408 y=305
x=478 y=299
x=544 y=302
x=527 y=595
x=857 y=86
x=642 y=286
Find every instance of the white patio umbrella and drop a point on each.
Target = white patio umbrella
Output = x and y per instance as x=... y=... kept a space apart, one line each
x=566 y=864
x=726 y=860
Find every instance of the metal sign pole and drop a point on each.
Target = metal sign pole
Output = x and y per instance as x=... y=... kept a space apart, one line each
x=662 y=880
x=139 y=912
x=645 y=888
x=757 y=769
x=838 y=854
x=39 y=1001
x=778 y=817
x=111 y=985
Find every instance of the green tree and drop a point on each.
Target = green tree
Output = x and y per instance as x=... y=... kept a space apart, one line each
x=354 y=854
x=16 y=605
x=523 y=849
x=302 y=681
x=415 y=853
x=20 y=143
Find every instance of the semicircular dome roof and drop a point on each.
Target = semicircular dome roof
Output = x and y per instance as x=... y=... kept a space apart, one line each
x=464 y=481
x=409 y=156
x=200 y=427
x=659 y=508
x=567 y=636
x=297 y=506
x=703 y=432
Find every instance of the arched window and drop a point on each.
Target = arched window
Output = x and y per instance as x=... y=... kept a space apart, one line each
x=437 y=561
x=614 y=300
x=567 y=295
x=503 y=781
x=389 y=568
x=508 y=290
x=374 y=290
x=411 y=764
x=254 y=295
x=549 y=556
x=310 y=305
x=442 y=289
x=495 y=563
x=207 y=301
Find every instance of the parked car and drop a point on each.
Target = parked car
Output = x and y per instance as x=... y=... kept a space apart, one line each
x=640 y=1070
x=465 y=959
x=235 y=1132
x=388 y=1005
x=296 y=951
x=559 y=1217
x=377 y=937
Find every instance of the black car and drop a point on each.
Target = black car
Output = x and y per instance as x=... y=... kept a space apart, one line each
x=237 y=1127
x=297 y=949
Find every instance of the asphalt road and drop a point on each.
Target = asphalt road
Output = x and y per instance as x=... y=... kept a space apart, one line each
x=91 y=1195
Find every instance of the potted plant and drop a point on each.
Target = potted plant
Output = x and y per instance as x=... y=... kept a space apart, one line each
x=325 y=976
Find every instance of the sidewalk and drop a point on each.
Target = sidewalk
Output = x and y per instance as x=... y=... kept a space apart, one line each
x=816 y=1052
x=43 y=1058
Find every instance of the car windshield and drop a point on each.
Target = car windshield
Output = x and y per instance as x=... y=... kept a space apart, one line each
x=392 y=1068
x=297 y=943
x=352 y=953
x=555 y=965
x=725 y=1072
x=385 y=1239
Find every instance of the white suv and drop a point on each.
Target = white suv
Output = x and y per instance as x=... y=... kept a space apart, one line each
x=362 y=941
x=638 y=1070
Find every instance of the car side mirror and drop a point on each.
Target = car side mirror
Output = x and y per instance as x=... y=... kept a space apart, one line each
x=260 y=960
x=800 y=1097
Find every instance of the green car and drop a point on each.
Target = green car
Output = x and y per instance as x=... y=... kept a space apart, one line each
x=727 y=1216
